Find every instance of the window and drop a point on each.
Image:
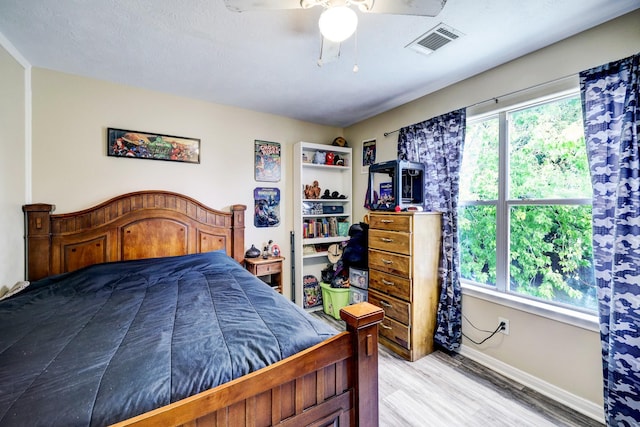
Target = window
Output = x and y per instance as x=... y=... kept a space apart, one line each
x=525 y=204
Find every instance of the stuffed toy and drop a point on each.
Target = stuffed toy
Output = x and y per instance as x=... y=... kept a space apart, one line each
x=329 y=158
x=320 y=158
x=355 y=254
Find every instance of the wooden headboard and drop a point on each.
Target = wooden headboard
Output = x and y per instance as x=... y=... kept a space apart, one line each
x=143 y=224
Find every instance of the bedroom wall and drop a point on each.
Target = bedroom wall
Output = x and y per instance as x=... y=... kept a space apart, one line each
x=12 y=167
x=557 y=358
x=72 y=171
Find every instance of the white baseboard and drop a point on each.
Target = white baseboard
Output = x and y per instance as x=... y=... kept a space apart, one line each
x=574 y=402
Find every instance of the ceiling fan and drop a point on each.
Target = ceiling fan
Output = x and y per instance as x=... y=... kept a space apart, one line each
x=338 y=21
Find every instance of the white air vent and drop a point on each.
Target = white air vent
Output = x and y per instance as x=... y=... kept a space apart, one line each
x=434 y=39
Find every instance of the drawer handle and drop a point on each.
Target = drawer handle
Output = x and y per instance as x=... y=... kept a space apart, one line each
x=388 y=283
x=385 y=326
x=385 y=304
x=386 y=221
x=387 y=261
x=386 y=239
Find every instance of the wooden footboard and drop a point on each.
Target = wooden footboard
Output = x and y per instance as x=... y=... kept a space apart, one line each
x=334 y=383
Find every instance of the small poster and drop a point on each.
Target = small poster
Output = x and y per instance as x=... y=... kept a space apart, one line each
x=368 y=154
x=312 y=294
x=267 y=207
x=386 y=192
x=267 y=159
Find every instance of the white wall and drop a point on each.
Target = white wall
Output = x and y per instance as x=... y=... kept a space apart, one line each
x=12 y=167
x=561 y=359
x=72 y=171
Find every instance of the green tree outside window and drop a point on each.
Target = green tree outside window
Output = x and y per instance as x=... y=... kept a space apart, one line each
x=545 y=199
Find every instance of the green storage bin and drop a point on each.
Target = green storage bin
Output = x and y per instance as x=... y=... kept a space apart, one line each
x=333 y=299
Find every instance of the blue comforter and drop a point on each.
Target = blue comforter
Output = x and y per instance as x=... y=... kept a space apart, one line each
x=112 y=341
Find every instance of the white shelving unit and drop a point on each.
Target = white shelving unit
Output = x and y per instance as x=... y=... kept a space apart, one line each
x=309 y=258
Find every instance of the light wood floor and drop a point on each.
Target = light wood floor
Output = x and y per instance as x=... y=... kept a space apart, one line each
x=451 y=390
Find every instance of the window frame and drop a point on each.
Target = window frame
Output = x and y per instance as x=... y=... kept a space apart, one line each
x=500 y=293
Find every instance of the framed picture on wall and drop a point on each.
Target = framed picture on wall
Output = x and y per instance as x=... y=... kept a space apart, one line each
x=154 y=146
x=267 y=207
x=267 y=161
x=368 y=154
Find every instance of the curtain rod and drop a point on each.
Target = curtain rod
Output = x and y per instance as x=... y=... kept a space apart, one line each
x=495 y=98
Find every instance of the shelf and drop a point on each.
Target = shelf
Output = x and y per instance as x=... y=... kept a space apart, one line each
x=306 y=213
x=325 y=200
x=316 y=165
x=315 y=255
x=318 y=240
x=311 y=147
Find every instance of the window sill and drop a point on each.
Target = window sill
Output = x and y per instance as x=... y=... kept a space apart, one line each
x=560 y=314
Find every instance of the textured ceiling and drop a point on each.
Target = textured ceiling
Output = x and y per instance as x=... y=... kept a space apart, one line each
x=267 y=60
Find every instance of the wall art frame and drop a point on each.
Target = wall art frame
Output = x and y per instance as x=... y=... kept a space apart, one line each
x=267 y=207
x=267 y=161
x=153 y=146
x=368 y=154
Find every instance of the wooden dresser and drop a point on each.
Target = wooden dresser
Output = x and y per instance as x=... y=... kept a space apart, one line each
x=404 y=251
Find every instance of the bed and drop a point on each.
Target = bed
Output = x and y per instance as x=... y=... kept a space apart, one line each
x=138 y=251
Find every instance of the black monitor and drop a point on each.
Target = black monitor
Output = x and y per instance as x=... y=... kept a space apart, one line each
x=396 y=183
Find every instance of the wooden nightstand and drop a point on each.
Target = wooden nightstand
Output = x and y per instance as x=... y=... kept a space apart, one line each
x=261 y=267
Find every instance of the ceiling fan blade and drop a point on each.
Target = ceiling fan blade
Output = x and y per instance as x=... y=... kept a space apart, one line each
x=408 y=7
x=329 y=51
x=244 y=5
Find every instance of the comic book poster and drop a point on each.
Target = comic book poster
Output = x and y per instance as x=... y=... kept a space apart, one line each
x=368 y=154
x=267 y=161
x=312 y=293
x=267 y=207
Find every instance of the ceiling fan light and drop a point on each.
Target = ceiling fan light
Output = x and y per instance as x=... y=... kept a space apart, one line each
x=338 y=23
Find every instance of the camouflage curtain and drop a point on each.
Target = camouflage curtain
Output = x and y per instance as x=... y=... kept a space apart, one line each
x=612 y=123
x=438 y=143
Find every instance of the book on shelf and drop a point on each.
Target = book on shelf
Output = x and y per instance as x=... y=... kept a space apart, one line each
x=316 y=228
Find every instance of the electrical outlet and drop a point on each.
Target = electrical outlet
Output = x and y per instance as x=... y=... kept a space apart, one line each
x=505 y=329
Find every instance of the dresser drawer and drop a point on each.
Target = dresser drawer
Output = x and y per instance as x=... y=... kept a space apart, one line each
x=397 y=286
x=390 y=222
x=390 y=262
x=392 y=241
x=393 y=307
x=396 y=332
